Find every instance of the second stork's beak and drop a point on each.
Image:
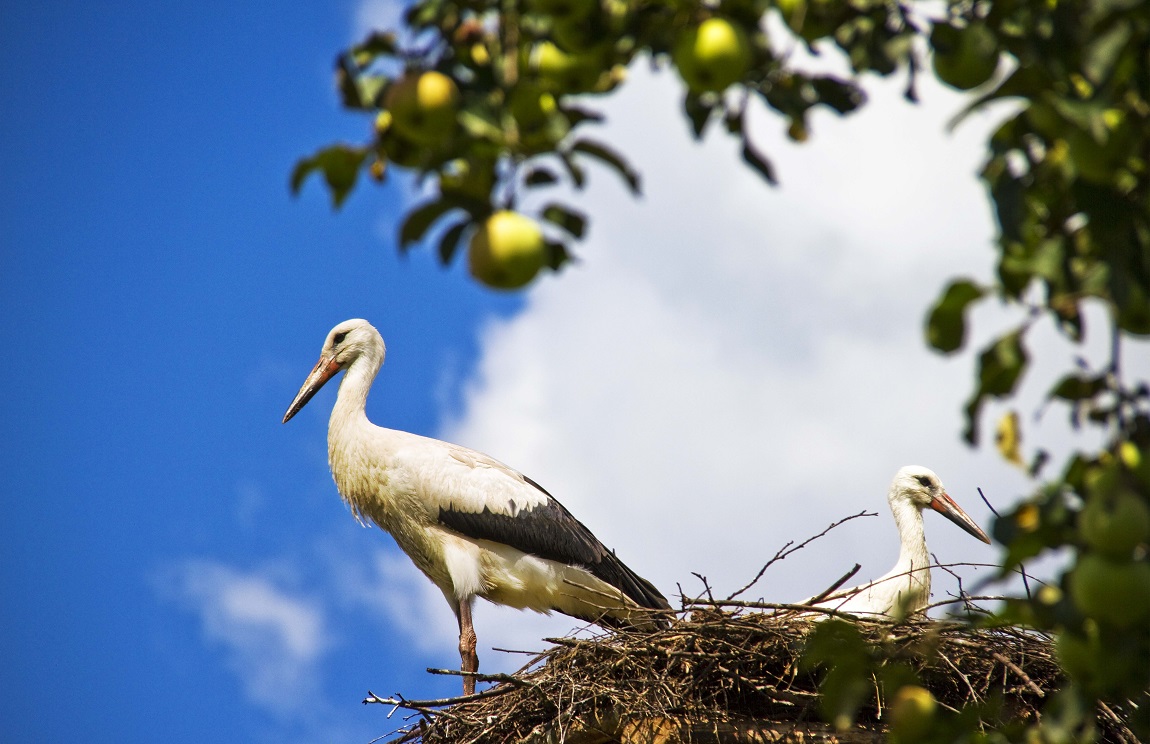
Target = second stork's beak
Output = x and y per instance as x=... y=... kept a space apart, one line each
x=945 y=506
x=324 y=370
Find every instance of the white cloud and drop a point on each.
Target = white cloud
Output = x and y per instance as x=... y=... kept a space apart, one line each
x=272 y=637
x=376 y=15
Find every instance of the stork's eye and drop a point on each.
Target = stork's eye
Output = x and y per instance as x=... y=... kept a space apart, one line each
x=924 y=480
x=338 y=338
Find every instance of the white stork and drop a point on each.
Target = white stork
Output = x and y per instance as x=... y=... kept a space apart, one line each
x=906 y=588
x=474 y=526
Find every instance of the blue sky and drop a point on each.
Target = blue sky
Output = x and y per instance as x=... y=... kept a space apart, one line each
x=729 y=368
x=163 y=296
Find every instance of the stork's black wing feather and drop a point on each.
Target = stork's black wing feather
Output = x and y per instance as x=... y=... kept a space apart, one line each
x=549 y=531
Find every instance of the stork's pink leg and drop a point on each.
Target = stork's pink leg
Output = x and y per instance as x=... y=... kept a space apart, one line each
x=467 y=641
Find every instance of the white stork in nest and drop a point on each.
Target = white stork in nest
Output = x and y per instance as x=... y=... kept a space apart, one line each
x=905 y=589
x=472 y=525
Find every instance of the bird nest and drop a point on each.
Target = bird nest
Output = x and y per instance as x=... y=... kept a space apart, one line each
x=718 y=675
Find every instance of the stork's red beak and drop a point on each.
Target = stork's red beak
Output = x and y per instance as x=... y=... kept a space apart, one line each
x=324 y=370
x=945 y=506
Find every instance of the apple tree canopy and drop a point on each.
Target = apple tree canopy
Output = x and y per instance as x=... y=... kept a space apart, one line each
x=488 y=100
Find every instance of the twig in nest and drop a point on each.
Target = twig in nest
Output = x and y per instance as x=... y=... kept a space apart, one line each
x=1018 y=670
x=426 y=706
x=706 y=586
x=790 y=547
x=478 y=677
x=833 y=587
x=1123 y=729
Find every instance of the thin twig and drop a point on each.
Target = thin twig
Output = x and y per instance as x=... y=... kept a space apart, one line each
x=424 y=706
x=1018 y=670
x=479 y=677
x=834 y=587
x=787 y=549
x=987 y=502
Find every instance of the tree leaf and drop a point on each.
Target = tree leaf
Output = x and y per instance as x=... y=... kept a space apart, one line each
x=480 y=123
x=420 y=219
x=610 y=158
x=340 y=167
x=999 y=368
x=841 y=95
x=540 y=177
x=1076 y=388
x=568 y=219
x=378 y=43
x=1001 y=365
x=698 y=112
x=759 y=162
x=557 y=255
x=449 y=243
x=946 y=324
x=574 y=170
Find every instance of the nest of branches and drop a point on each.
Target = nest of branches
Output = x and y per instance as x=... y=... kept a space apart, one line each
x=722 y=674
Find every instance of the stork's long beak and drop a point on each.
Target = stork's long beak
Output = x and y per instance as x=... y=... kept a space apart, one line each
x=945 y=506
x=324 y=370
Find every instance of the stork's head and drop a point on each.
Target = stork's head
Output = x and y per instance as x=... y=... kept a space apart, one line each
x=922 y=488
x=350 y=340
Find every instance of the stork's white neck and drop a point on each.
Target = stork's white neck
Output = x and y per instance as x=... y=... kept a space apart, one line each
x=912 y=553
x=351 y=401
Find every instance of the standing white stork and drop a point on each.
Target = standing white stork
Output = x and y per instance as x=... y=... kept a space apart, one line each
x=474 y=526
x=906 y=588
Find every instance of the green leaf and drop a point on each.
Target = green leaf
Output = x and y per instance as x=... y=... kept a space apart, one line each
x=759 y=162
x=610 y=158
x=568 y=219
x=1000 y=365
x=1024 y=82
x=577 y=114
x=999 y=368
x=480 y=123
x=357 y=90
x=557 y=255
x=1101 y=55
x=946 y=325
x=1074 y=387
x=449 y=243
x=340 y=167
x=841 y=95
x=837 y=646
x=698 y=112
x=540 y=177
x=1009 y=206
x=574 y=170
x=377 y=44
x=420 y=219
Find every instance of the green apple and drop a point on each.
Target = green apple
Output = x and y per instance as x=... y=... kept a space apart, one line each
x=712 y=55
x=1111 y=592
x=1114 y=527
x=507 y=250
x=561 y=72
x=423 y=106
x=912 y=712
x=964 y=58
